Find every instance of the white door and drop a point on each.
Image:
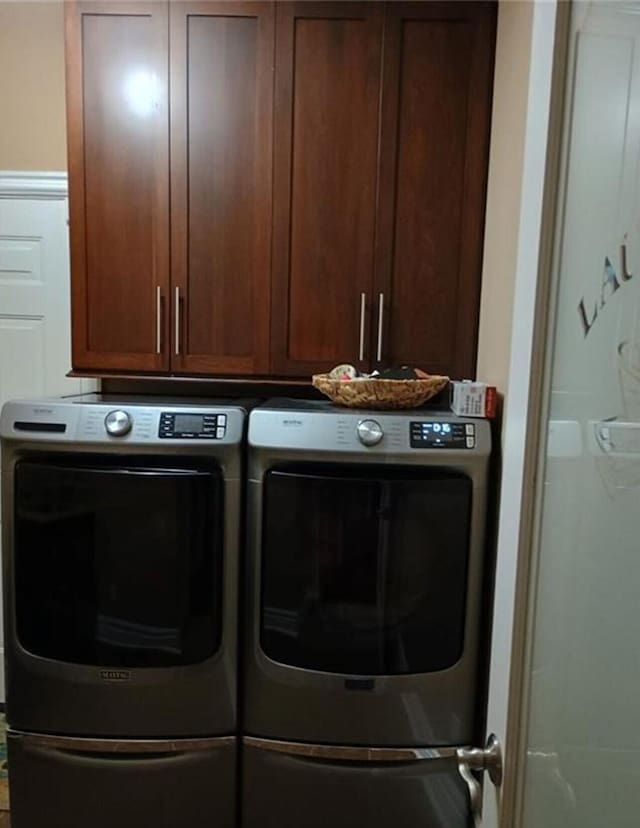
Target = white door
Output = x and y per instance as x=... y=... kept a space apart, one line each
x=565 y=675
x=35 y=334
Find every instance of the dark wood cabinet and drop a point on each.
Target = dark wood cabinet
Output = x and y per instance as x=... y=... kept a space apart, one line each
x=119 y=184
x=221 y=160
x=269 y=189
x=208 y=310
x=380 y=175
x=328 y=64
x=434 y=147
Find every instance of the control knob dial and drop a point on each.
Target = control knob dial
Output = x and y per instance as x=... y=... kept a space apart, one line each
x=369 y=432
x=118 y=423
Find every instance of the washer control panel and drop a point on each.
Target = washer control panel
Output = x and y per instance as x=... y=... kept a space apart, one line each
x=394 y=436
x=187 y=426
x=430 y=434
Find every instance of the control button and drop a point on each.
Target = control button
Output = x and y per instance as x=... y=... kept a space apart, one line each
x=118 y=423
x=369 y=432
x=222 y=419
x=471 y=441
x=470 y=429
x=220 y=432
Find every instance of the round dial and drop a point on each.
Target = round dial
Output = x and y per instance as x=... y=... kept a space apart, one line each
x=369 y=432
x=118 y=423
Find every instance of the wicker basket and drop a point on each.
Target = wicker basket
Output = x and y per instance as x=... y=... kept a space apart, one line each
x=380 y=394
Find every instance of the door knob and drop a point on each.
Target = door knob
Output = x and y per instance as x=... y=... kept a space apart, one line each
x=477 y=759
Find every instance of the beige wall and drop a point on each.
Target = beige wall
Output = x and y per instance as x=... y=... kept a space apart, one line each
x=32 y=102
x=511 y=87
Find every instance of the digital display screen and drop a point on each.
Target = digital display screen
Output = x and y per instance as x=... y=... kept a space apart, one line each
x=442 y=435
x=188 y=423
x=443 y=429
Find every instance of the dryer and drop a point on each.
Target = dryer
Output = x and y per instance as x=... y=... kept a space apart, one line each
x=121 y=523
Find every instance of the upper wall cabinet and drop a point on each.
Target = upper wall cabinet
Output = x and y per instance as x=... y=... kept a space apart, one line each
x=209 y=311
x=221 y=156
x=117 y=95
x=328 y=64
x=382 y=142
x=326 y=179
x=434 y=146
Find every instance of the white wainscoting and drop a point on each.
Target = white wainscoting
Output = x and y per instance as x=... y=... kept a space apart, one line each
x=35 y=316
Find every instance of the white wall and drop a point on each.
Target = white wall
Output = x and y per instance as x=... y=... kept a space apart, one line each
x=533 y=27
x=513 y=54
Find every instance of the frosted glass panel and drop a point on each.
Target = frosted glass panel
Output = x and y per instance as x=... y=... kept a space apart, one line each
x=582 y=765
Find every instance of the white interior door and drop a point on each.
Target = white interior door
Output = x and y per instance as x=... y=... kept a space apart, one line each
x=566 y=659
x=35 y=338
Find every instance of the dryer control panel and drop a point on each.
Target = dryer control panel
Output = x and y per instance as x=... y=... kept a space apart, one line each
x=104 y=421
x=189 y=426
x=445 y=435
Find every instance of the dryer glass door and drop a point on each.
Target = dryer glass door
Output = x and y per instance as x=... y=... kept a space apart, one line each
x=118 y=565
x=364 y=570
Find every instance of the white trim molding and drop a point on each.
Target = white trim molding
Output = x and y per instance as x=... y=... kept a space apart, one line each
x=38 y=185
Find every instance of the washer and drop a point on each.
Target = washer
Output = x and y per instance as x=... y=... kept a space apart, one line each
x=366 y=538
x=365 y=558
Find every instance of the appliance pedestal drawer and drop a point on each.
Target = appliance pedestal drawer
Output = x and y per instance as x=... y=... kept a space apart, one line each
x=316 y=786
x=60 y=782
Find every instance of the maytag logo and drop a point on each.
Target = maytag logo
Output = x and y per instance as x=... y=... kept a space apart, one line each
x=291 y=422
x=115 y=675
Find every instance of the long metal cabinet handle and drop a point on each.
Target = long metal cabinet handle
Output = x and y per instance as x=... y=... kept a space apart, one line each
x=177 y=312
x=477 y=759
x=345 y=753
x=363 y=305
x=158 y=320
x=380 y=323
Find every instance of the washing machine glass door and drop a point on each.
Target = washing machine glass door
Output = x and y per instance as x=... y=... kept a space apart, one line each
x=364 y=570
x=118 y=564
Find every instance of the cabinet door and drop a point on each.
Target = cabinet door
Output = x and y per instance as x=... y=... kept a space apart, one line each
x=117 y=56
x=437 y=89
x=327 y=91
x=221 y=159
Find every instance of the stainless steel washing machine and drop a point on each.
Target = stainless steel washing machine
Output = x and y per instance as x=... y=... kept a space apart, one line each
x=121 y=521
x=366 y=541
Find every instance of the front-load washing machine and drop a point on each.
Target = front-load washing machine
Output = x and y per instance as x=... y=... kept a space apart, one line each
x=366 y=540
